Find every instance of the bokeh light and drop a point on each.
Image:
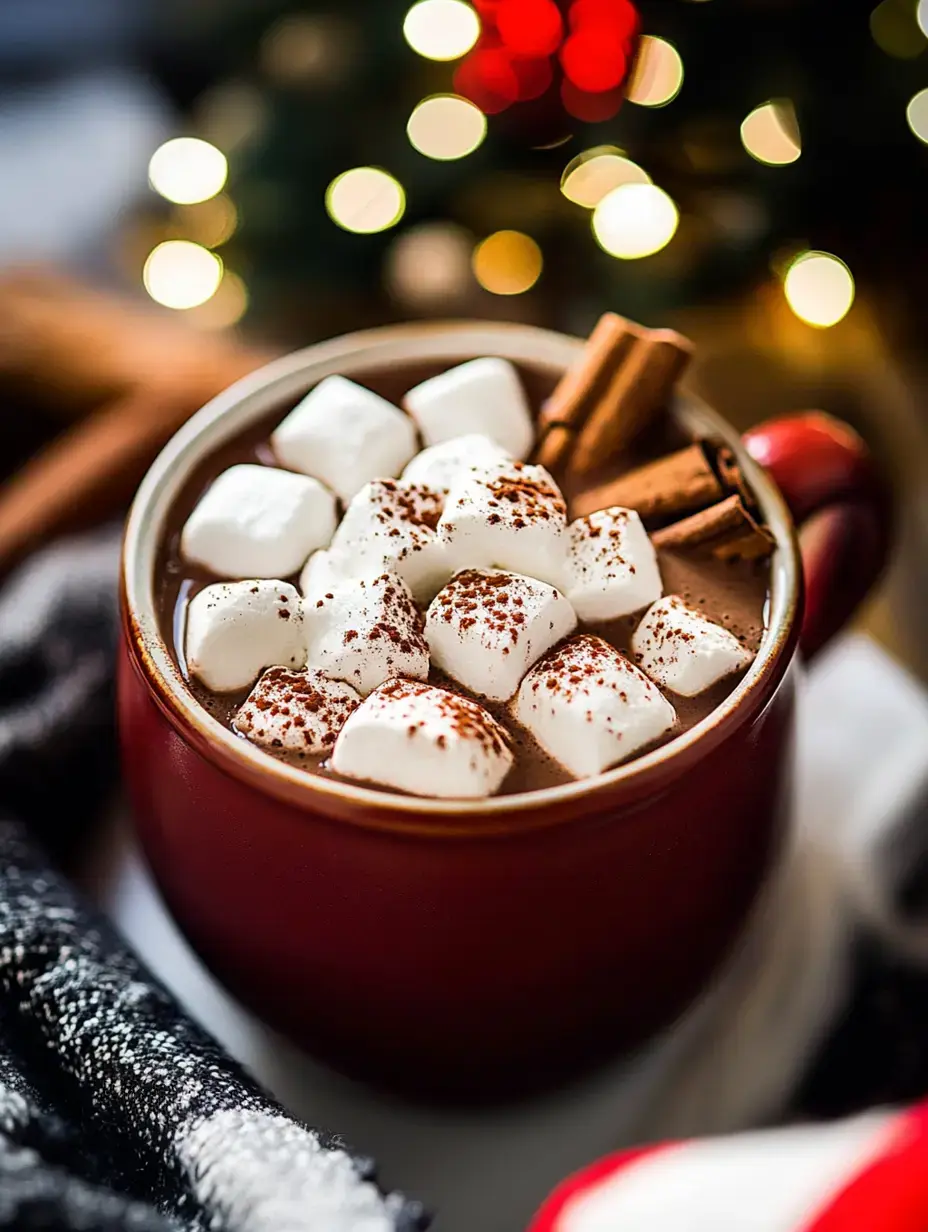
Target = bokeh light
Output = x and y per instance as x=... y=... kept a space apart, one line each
x=771 y=133
x=309 y=50
x=365 y=200
x=530 y=27
x=441 y=29
x=594 y=173
x=224 y=309
x=507 y=263
x=658 y=74
x=488 y=79
x=594 y=60
x=186 y=170
x=921 y=17
x=917 y=115
x=897 y=30
x=635 y=220
x=180 y=274
x=429 y=266
x=446 y=127
x=819 y=288
x=210 y=223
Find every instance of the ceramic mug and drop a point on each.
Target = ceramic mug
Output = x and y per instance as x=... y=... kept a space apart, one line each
x=477 y=947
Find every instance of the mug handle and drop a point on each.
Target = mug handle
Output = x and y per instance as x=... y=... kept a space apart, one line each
x=841 y=507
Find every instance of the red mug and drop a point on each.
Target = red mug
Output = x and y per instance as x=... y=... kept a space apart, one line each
x=478 y=948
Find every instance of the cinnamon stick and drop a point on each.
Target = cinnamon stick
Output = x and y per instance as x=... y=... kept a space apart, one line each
x=582 y=386
x=725 y=530
x=660 y=491
x=731 y=476
x=640 y=387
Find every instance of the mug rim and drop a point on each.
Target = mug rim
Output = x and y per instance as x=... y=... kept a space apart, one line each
x=292 y=375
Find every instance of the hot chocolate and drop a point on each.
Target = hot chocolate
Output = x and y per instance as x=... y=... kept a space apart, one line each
x=459 y=620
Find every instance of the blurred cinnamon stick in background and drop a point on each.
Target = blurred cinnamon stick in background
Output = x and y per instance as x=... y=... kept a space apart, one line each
x=122 y=377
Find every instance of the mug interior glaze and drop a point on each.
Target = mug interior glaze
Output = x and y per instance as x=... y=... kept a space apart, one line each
x=281 y=384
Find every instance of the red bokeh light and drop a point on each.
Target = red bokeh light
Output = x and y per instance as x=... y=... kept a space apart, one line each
x=530 y=27
x=595 y=60
x=617 y=16
x=488 y=79
x=590 y=108
x=534 y=77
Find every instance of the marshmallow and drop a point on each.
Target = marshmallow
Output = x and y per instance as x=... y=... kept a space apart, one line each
x=486 y=629
x=236 y=629
x=611 y=565
x=685 y=651
x=507 y=517
x=345 y=435
x=258 y=522
x=368 y=631
x=590 y=708
x=485 y=396
x=302 y=712
x=424 y=741
x=440 y=465
x=390 y=526
x=320 y=576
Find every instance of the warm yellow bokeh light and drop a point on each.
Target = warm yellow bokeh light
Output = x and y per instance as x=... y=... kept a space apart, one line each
x=635 y=221
x=186 y=170
x=180 y=274
x=771 y=133
x=365 y=200
x=224 y=309
x=210 y=223
x=446 y=127
x=922 y=17
x=658 y=74
x=588 y=177
x=917 y=115
x=897 y=29
x=819 y=288
x=430 y=265
x=507 y=263
x=441 y=29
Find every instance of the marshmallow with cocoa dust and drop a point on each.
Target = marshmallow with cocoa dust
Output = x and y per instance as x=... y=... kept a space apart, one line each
x=486 y=628
x=345 y=435
x=683 y=650
x=365 y=631
x=440 y=465
x=510 y=516
x=390 y=525
x=236 y=629
x=590 y=708
x=299 y=711
x=426 y=741
x=483 y=396
x=612 y=566
x=258 y=522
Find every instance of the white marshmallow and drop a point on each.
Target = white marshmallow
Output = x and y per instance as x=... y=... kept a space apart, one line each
x=258 y=522
x=685 y=651
x=300 y=711
x=508 y=517
x=483 y=395
x=367 y=632
x=611 y=565
x=236 y=629
x=486 y=629
x=440 y=465
x=390 y=525
x=424 y=741
x=320 y=576
x=590 y=708
x=345 y=435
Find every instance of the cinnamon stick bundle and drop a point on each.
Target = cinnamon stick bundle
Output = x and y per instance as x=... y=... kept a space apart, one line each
x=604 y=402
